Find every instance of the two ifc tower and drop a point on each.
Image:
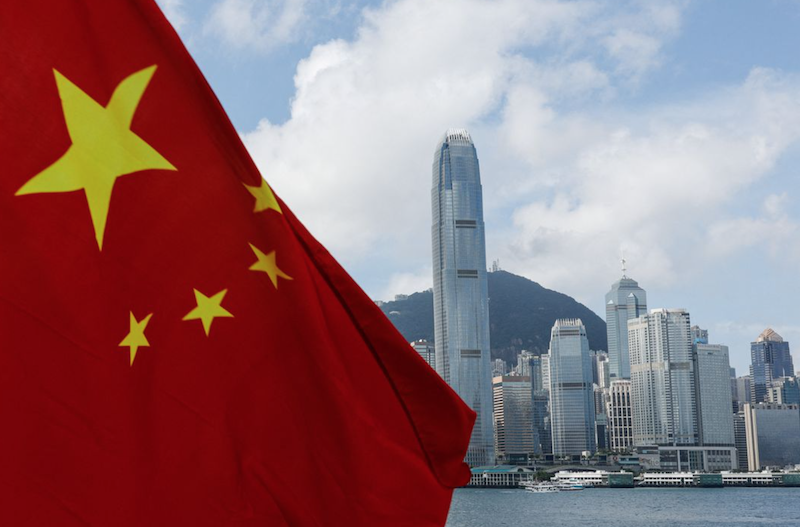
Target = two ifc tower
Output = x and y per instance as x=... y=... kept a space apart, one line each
x=460 y=286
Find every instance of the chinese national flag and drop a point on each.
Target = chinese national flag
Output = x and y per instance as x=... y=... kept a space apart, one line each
x=175 y=348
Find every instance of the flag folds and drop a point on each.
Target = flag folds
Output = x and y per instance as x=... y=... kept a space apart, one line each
x=175 y=347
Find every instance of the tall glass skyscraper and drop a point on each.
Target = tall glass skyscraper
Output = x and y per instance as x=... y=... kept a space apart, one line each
x=624 y=302
x=572 y=408
x=769 y=360
x=713 y=385
x=460 y=287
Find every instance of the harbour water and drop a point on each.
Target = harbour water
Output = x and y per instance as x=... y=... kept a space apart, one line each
x=640 y=507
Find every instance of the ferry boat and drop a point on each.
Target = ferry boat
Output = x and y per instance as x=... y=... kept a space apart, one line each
x=533 y=486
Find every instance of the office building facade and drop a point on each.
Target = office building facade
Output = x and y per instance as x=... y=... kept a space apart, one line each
x=620 y=419
x=769 y=359
x=663 y=393
x=540 y=400
x=773 y=435
x=713 y=385
x=513 y=426
x=625 y=301
x=572 y=415
x=460 y=287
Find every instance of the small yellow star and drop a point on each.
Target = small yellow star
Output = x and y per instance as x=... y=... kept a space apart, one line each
x=103 y=146
x=208 y=308
x=265 y=199
x=135 y=338
x=267 y=264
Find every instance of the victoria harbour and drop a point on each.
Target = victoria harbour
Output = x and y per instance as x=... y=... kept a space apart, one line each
x=651 y=507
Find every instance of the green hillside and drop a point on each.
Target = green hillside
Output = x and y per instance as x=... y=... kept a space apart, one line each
x=521 y=314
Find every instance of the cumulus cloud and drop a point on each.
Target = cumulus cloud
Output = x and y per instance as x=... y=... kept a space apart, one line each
x=175 y=11
x=256 y=25
x=656 y=186
x=354 y=158
x=537 y=82
x=408 y=282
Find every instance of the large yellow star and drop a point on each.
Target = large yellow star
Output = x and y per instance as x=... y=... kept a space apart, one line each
x=267 y=264
x=265 y=199
x=103 y=146
x=135 y=338
x=208 y=309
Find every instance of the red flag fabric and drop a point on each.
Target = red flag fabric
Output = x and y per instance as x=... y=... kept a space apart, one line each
x=175 y=348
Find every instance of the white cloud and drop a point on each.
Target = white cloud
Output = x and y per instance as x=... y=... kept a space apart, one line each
x=367 y=113
x=580 y=186
x=405 y=283
x=256 y=25
x=175 y=12
x=774 y=232
x=656 y=184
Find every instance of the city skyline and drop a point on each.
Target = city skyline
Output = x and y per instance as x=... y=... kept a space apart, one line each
x=681 y=114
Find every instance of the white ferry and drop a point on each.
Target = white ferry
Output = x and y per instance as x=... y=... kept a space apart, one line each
x=533 y=486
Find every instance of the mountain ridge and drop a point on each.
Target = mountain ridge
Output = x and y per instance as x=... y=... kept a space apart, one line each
x=521 y=315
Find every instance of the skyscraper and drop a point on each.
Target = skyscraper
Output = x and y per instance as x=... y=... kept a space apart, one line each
x=572 y=416
x=740 y=438
x=540 y=396
x=618 y=409
x=662 y=379
x=712 y=381
x=769 y=360
x=512 y=418
x=460 y=287
x=624 y=302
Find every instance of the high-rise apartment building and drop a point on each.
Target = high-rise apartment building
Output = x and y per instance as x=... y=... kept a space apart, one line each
x=662 y=379
x=500 y=368
x=769 y=360
x=523 y=363
x=460 y=287
x=713 y=385
x=572 y=416
x=620 y=421
x=512 y=417
x=625 y=301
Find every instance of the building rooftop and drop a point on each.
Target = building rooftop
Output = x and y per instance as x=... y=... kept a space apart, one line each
x=457 y=136
x=769 y=335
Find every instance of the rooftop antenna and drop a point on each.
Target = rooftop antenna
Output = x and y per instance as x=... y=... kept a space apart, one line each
x=624 y=267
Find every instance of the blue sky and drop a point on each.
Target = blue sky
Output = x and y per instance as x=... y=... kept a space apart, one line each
x=669 y=130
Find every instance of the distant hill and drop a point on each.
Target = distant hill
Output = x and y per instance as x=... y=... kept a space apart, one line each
x=521 y=314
